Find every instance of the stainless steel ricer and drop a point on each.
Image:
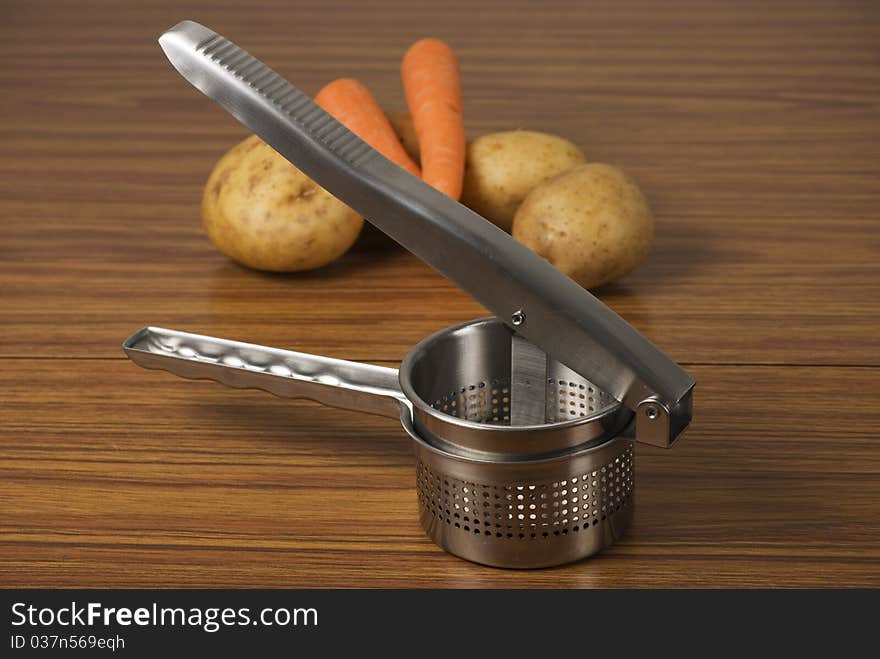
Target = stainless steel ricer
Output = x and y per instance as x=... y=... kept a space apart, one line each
x=524 y=423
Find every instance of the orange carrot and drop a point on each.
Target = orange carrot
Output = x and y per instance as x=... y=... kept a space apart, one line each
x=433 y=93
x=352 y=105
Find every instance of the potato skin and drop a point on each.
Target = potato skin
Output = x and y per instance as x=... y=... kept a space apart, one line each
x=502 y=168
x=402 y=123
x=263 y=212
x=591 y=222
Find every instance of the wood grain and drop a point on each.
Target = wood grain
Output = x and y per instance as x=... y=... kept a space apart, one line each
x=142 y=479
x=753 y=130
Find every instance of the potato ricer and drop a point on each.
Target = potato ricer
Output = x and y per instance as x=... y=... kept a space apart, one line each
x=524 y=423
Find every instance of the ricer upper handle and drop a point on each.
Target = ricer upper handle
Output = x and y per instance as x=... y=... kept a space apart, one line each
x=521 y=288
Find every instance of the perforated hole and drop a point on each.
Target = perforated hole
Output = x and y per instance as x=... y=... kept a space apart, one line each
x=489 y=402
x=533 y=511
x=573 y=400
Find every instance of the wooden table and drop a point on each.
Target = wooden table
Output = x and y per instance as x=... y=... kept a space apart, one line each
x=753 y=129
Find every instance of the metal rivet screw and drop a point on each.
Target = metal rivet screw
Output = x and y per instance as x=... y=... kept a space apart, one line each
x=651 y=412
x=518 y=317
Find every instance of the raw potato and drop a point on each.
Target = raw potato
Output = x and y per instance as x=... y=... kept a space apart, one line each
x=502 y=168
x=402 y=123
x=591 y=222
x=263 y=212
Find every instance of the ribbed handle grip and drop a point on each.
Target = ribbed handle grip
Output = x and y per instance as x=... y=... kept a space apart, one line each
x=334 y=382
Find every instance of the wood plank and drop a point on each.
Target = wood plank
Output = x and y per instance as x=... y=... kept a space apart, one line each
x=755 y=139
x=144 y=480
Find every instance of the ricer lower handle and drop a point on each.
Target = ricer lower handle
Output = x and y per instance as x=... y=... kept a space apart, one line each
x=334 y=382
